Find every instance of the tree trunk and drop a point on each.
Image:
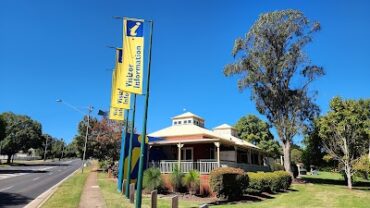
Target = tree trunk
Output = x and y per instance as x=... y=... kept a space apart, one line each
x=347 y=170
x=13 y=158
x=287 y=163
x=9 y=158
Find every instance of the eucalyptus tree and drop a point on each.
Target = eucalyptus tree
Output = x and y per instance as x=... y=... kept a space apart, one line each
x=270 y=61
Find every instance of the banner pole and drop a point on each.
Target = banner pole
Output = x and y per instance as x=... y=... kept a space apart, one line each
x=143 y=134
x=122 y=152
x=127 y=185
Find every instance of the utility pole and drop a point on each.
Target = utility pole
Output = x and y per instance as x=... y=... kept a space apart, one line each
x=62 y=149
x=90 y=109
x=46 y=147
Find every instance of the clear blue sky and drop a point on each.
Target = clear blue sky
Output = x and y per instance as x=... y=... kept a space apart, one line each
x=57 y=49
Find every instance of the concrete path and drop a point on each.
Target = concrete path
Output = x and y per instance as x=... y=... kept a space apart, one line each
x=91 y=195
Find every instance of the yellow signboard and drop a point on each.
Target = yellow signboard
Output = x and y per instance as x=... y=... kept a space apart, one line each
x=119 y=98
x=116 y=113
x=133 y=56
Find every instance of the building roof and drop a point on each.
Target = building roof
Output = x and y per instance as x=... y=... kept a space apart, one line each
x=188 y=130
x=224 y=126
x=187 y=115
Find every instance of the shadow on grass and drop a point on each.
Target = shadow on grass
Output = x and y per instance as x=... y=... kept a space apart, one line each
x=335 y=182
x=12 y=199
x=248 y=198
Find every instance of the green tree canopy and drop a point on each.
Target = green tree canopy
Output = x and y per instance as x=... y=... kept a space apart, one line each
x=21 y=133
x=256 y=131
x=272 y=63
x=345 y=132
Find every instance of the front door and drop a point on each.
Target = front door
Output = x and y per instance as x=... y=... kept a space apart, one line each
x=187 y=153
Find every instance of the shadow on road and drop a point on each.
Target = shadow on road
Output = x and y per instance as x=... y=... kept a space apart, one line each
x=11 y=199
x=38 y=164
x=9 y=171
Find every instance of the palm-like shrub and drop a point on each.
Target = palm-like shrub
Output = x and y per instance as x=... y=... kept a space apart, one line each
x=192 y=181
x=176 y=179
x=152 y=179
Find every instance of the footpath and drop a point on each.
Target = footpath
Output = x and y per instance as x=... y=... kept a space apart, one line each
x=91 y=194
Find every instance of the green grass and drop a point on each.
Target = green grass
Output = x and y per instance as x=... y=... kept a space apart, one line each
x=69 y=192
x=114 y=199
x=301 y=195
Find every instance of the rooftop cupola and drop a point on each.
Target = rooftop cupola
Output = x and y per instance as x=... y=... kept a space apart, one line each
x=188 y=119
x=225 y=129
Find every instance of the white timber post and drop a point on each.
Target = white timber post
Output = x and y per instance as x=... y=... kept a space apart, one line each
x=217 y=144
x=179 y=146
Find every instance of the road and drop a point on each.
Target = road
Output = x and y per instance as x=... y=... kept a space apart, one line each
x=19 y=185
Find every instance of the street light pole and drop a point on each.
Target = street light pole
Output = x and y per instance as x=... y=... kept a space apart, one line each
x=87 y=132
x=90 y=109
x=46 y=147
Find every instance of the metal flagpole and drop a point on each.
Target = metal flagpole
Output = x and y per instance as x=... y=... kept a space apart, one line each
x=121 y=165
x=143 y=134
x=127 y=185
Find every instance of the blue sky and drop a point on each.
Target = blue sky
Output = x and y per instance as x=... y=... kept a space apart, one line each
x=57 y=49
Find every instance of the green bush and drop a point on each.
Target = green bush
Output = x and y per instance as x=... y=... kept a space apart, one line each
x=152 y=179
x=104 y=165
x=285 y=179
x=176 y=179
x=276 y=166
x=192 y=181
x=258 y=182
x=228 y=183
x=273 y=181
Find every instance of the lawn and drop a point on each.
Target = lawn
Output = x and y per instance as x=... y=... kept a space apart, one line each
x=114 y=199
x=324 y=194
x=69 y=192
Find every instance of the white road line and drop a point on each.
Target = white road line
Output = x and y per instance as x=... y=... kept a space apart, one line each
x=4 y=189
x=35 y=179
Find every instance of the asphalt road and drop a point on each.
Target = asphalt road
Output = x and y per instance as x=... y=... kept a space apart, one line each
x=19 y=185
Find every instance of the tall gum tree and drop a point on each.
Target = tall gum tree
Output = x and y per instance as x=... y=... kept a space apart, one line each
x=271 y=62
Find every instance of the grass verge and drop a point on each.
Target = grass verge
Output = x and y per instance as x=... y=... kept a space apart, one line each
x=114 y=199
x=68 y=194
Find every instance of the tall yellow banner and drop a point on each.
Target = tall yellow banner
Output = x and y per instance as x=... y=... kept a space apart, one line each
x=119 y=98
x=116 y=114
x=133 y=47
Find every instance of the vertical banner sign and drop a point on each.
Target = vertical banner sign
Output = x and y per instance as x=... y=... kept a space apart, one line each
x=116 y=113
x=119 y=98
x=133 y=47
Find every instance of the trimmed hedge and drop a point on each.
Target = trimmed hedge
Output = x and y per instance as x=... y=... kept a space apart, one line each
x=257 y=183
x=228 y=183
x=285 y=179
x=268 y=182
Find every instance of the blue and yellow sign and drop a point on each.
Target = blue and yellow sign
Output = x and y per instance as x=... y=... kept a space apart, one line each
x=135 y=156
x=133 y=56
x=119 y=98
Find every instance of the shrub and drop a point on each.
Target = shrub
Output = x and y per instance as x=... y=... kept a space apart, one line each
x=258 y=183
x=285 y=179
x=104 y=165
x=228 y=183
x=152 y=179
x=276 y=166
x=192 y=181
x=176 y=179
x=273 y=181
